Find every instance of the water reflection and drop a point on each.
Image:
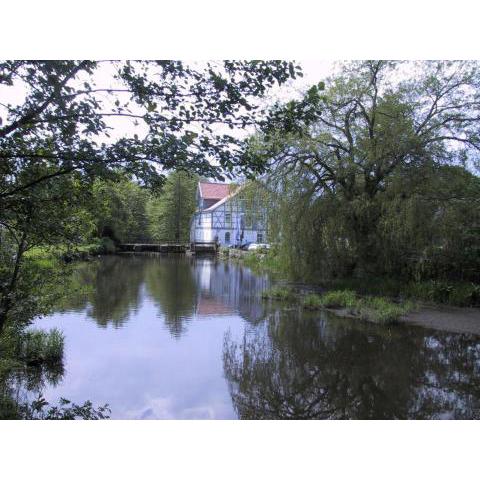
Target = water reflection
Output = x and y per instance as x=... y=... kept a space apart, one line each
x=113 y=289
x=109 y=290
x=24 y=382
x=300 y=366
x=233 y=286
x=175 y=318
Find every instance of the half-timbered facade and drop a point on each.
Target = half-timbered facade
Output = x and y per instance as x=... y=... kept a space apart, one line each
x=225 y=215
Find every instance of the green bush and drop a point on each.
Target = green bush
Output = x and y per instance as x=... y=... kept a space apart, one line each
x=107 y=245
x=437 y=291
x=224 y=252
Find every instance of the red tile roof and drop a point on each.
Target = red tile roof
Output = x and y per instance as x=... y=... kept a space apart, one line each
x=214 y=190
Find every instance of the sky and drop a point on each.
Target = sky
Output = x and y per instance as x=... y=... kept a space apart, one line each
x=313 y=70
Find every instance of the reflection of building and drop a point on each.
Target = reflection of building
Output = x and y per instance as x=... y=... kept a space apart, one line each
x=225 y=215
x=234 y=287
x=208 y=306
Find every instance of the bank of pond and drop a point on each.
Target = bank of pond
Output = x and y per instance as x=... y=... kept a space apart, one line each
x=344 y=303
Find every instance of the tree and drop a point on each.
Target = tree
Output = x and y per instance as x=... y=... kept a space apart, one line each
x=58 y=133
x=64 y=117
x=119 y=210
x=170 y=212
x=51 y=214
x=345 y=143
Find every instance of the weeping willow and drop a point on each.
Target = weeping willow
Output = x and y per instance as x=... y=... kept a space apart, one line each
x=425 y=225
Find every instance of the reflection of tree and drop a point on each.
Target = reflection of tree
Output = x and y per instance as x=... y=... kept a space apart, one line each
x=170 y=282
x=18 y=384
x=304 y=367
x=109 y=288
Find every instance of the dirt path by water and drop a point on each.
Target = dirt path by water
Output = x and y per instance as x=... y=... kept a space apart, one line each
x=449 y=319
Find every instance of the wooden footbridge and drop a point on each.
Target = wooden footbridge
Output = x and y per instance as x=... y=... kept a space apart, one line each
x=170 y=247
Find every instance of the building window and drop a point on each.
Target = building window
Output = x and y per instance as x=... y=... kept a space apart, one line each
x=227 y=237
x=199 y=219
x=259 y=237
x=228 y=219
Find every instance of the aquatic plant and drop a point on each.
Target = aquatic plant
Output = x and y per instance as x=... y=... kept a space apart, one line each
x=382 y=310
x=279 y=293
x=312 y=301
x=339 y=299
x=375 y=309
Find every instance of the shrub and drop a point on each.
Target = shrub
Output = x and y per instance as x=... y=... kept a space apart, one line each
x=376 y=309
x=107 y=245
x=465 y=295
x=460 y=294
x=223 y=252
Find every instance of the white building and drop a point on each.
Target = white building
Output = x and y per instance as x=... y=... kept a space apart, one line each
x=226 y=216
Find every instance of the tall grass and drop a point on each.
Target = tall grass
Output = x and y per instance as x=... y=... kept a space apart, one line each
x=382 y=310
x=279 y=293
x=312 y=301
x=375 y=309
x=339 y=299
x=38 y=346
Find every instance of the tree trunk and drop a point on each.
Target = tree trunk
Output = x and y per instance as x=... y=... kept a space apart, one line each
x=364 y=228
x=6 y=300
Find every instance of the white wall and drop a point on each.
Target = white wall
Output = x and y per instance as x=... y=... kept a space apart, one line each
x=212 y=225
x=201 y=232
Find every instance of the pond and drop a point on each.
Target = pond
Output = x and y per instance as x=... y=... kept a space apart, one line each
x=174 y=337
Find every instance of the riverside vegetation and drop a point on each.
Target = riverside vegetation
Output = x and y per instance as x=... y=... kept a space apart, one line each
x=345 y=302
x=398 y=291
x=373 y=183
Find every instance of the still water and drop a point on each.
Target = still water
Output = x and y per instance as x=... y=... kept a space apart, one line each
x=183 y=338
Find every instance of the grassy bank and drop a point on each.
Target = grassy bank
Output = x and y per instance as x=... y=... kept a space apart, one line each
x=460 y=294
x=455 y=293
x=49 y=254
x=345 y=302
x=258 y=260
